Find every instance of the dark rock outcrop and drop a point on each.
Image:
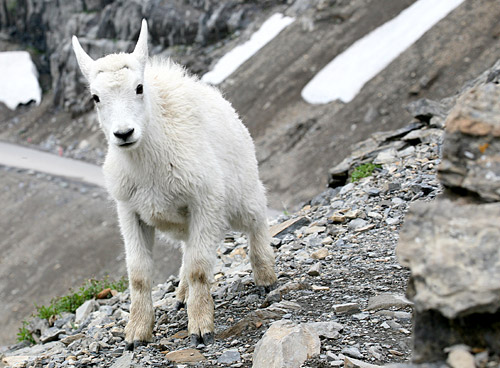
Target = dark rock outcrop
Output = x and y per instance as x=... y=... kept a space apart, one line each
x=111 y=25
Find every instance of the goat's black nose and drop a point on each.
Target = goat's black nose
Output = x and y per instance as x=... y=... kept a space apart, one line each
x=124 y=134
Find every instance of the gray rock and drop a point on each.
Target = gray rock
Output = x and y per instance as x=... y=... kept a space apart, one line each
x=314 y=270
x=352 y=351
x=84 y=310
x=424 y=109
x=229 y=357
x=383 y=301
x=460 y=358
x=345 y=308
x=125 y=361
x=471 y=150
x=51 y=334
x=285 y=345
x=454 y=261
x=354 y=363
x=330 y=330
x=357 y=224
x=386 y=157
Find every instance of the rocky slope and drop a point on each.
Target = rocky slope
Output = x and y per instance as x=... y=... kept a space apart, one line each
x=296 y=142
x=336 y=266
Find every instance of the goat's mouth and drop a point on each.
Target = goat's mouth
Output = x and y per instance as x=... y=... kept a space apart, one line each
x=127 y=144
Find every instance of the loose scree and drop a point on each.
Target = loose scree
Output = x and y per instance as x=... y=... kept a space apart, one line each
x=179 y=161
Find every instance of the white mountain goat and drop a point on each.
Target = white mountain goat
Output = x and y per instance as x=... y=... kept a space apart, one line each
x=179 y=160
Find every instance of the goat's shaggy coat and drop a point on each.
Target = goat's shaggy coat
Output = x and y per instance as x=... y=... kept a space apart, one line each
x=179 y=160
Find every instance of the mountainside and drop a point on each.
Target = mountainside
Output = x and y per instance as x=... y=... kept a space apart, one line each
x=340 y=297
x=57 y=233
x=296 y=142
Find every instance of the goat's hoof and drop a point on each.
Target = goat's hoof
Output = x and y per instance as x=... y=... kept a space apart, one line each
x=179 y=305
x=131 y=346
x=264 y=290
x=206 y=339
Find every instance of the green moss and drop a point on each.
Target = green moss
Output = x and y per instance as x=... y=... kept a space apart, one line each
x=362 y=171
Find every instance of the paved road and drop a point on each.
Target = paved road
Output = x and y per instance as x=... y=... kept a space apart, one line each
x=27 y=158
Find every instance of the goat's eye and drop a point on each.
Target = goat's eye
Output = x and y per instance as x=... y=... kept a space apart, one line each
x=139 y=89
x=95 y=98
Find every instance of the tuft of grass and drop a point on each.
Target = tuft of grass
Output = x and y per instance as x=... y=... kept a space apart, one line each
x=362 y=171
x=24 y=334
x=71 y=302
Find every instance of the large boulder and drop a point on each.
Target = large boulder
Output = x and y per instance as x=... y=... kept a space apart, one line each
x=453 y=253
x=471 y=150
x=451 y=245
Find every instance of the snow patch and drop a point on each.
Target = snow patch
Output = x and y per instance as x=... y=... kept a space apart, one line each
x=19 y=79
x=237 y=56
x=345 y=75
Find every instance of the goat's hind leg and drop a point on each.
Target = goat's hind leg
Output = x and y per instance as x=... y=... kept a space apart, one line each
x=139 y=239
x=262 y=255
x=182 y=292
x=200 y=305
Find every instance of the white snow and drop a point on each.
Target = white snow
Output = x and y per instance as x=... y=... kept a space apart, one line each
x=18 y=78
x=345 y=75
x=237 y=56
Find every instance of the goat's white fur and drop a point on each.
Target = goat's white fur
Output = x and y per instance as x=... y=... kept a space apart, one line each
x=190 y=172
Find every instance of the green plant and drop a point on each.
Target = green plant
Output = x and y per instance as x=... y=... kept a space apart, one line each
x=24 y=334
x=11 y=5
x=362 y=171
x=71 y=302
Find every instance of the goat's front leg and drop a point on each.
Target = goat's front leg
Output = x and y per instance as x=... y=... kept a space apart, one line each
x=139 y=240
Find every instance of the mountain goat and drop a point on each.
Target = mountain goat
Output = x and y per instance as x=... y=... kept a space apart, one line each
x=179 y=160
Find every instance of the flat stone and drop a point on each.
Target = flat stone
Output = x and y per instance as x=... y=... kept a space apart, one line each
x=315 y=229
x=229 y=357
x=84 y=310
x=286 y=345
x=51 y=334
x=69 y=339
x=384 y=301
x=329 y=330
x=460 y=358
x=15 y=360
x=279 y=230
x=346 y=308
x=321 y=253
x=319 y=288
x=185 y=356
x=352 y=352
x=357 y=224
x=355 y=363
x=125 y=361
x=314 y=270
x=182 y=334
x=386 y=157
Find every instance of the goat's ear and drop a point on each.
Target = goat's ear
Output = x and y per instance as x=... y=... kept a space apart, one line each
x=141 y=49
x=84 y=60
